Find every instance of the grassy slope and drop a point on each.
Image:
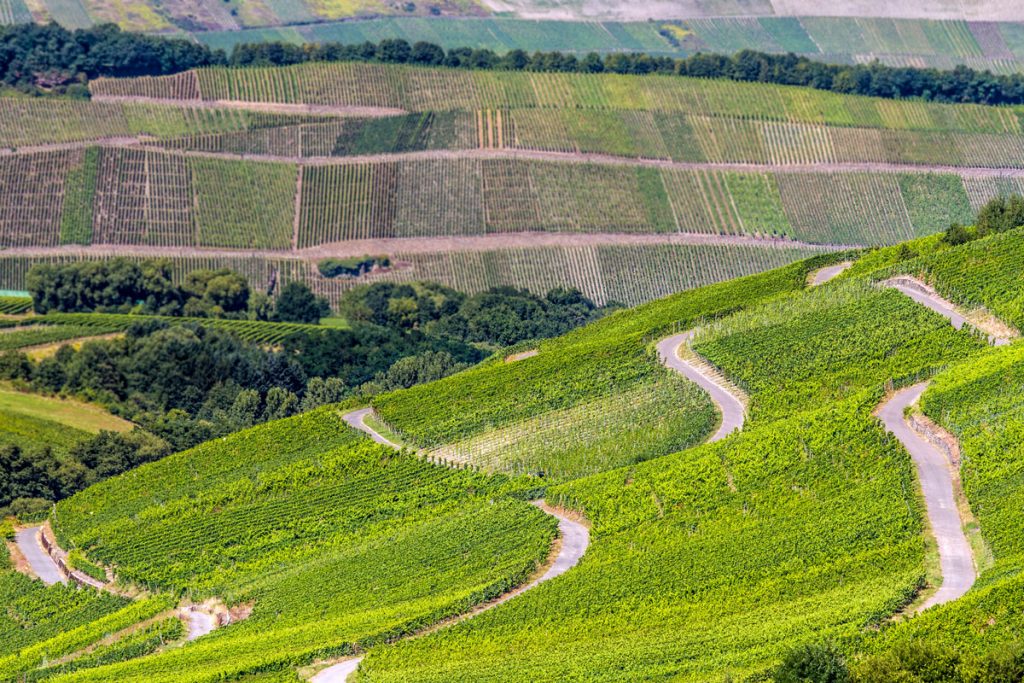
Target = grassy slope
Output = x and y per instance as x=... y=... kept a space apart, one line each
x=333 y=539
x=715 y=560
x=75 y=415
x=609 y=358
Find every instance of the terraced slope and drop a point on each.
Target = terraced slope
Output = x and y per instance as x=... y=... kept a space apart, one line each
x=724 y=503
x=333 y=543
x=586 y=402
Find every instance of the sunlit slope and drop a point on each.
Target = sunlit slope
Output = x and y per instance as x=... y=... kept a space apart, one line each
x=716 y=560
x=333 y=540
x=607 y=363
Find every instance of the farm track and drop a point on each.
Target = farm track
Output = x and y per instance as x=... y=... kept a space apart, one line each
x=823 y=275
x=573 y=539
x=267 y=107
x=929 y=298
x=430 y=245
x=729 y=405
x=147 y=142
x=934 y=469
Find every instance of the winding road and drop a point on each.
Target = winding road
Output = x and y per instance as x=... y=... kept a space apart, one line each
x=574 y=537
x=928 y=297
x=39 y=560
x=934 y=472
x=933 y=468
x=728 y=404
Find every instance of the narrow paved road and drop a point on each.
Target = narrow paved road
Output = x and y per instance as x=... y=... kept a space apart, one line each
x=357 y=420
x=827 y=273
x=575 y=538
x=728 y=405
x=933 y=471
x=929 y=298
x=39 y=560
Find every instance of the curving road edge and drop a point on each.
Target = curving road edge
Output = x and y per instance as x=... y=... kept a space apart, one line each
x=933 y=471
x=929 y=298
x=730 y=407
x=574 y=537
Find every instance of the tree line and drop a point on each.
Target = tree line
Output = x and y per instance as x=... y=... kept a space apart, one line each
x=183 y=382
x=52 y=59
x=122 y=285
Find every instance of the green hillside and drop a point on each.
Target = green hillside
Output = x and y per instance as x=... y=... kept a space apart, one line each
x=705 y=560
x=334 y=541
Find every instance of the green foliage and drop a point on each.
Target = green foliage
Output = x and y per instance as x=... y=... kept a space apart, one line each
x=1000 y=214
x=351 y=267
x=298 y=304
x=79 y=191
x=406 y=133
x=34 y=613
x=818 y=347
x=77 y=560
x=801 y=529
x=812 y=663
x=603 y=359
x=142 y=642
x=15 y=305
x=335 y=540
x=934 y=201
x=982 y=273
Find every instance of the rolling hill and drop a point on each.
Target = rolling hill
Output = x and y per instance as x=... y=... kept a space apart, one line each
x=708 y=557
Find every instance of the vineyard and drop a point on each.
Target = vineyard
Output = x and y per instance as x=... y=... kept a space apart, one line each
x=125 y=196
x=431 y=90
x=377 y=532
x=804 y=526
x=976 y=401
x=566 y=375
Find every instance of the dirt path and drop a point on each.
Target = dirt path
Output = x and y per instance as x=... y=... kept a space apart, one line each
x=934 y=473
x=613 y=160
x=200 y=623
x=269 y=107
x=725 y=397
x=823 y=275
x=999 y=334
x=42 y=565
x=573 y=540
x=528 y=154
x=431 y=245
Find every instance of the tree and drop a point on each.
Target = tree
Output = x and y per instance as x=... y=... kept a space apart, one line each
x=813 y=663
x=427 y=54
x=280 y=403
x=322 y=392
x=957 y=234
x=298 y=304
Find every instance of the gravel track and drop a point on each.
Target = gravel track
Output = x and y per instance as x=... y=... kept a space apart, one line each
x=540 y=155
x=431 y=245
